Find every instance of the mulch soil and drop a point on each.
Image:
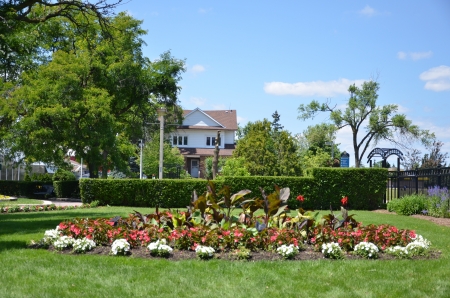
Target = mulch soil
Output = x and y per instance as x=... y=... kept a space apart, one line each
x=179 y=255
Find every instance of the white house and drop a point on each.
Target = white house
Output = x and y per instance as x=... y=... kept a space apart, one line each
x=197 y=135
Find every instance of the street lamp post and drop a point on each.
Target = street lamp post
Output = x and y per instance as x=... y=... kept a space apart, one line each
x=332 y=148
x=161 y=113
x=140 y=160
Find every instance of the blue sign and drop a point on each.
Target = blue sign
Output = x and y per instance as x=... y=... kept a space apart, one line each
x=345 y=162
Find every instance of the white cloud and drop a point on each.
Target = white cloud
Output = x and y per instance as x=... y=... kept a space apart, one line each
x=219 y=107
x=197 y=68
x=437 y=78
x=197 y=101
x=414 y=55
x=402 y=109
x=368 y=11
x=402 y=55
x=241 y=120
x=316 y=88
x=204 y=10
x=421 y=55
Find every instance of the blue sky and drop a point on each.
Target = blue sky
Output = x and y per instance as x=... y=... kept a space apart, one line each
x=260 y=56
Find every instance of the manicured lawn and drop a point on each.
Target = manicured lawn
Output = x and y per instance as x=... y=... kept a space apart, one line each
x=39 y=273
x=19 y=201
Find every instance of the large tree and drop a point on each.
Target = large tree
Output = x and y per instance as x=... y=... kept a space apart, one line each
x=39 y=11
x=321 y=136
x=29 y=28
x=368 y=122
x=435 y=157
x=267 y=152
x=94 y=97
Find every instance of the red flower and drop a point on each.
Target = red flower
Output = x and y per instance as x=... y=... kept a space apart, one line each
x=300 y=198
x=344 y=201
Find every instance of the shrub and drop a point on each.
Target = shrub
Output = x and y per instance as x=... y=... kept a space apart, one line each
x=365 y=188
x=63 y=175
x=438 y=203
x=408 y=205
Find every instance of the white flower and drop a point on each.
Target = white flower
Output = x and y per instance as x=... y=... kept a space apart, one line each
x=204 y=252
x=52 y=234
x=366 y=249
x=160 y=248
x=63 y=242
x=288 y=251
x=332 y=250
x=83 y=245
x=120 y=246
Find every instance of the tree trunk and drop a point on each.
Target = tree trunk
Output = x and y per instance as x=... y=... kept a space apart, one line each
x=105 y=165
x=216 y=155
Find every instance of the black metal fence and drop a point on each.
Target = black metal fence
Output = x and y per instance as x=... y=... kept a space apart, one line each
x=401 y=183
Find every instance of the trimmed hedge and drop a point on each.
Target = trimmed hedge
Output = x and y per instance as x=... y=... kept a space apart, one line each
x=167 y=193
x=323 y=188
x=18 y=188
x=364 y=187
x=67 y=189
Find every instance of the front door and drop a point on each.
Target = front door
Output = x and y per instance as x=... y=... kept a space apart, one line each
x=194 y=167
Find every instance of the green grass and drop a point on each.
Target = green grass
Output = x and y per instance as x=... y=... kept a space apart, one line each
x=40 y=273
x=20 y=201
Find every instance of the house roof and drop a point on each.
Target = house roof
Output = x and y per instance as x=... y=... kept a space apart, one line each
x=225 y=119
x=205 y=152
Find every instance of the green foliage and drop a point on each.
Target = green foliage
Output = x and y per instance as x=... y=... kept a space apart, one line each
x=268 y=152
x=169 y=193
x=67 y=189
x=63 y=175
x=315 y=159
x=45 y=177
x=91 y=95
x=233 y=167
x=209 y=166
x=408 y=205
x=172 y=158
x=364 y=188
x=314 y=148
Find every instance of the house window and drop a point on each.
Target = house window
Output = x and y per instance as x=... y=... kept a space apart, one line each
x=179 y=140
x=211 y=141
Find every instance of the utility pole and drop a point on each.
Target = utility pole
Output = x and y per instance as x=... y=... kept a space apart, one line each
x=161 y=113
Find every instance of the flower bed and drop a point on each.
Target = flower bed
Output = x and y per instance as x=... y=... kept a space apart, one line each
x=207 y=229
x=39 y=208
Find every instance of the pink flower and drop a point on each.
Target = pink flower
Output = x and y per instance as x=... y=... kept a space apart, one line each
x=300 y=198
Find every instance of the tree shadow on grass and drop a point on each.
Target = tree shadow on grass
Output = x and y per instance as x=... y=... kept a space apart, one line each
x=13 y=244
x=36 y=222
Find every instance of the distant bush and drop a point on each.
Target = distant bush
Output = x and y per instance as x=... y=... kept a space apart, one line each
x=408 y=205
x=64 y=175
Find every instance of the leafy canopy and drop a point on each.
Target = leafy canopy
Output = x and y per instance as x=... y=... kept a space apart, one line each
x=368 y=122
